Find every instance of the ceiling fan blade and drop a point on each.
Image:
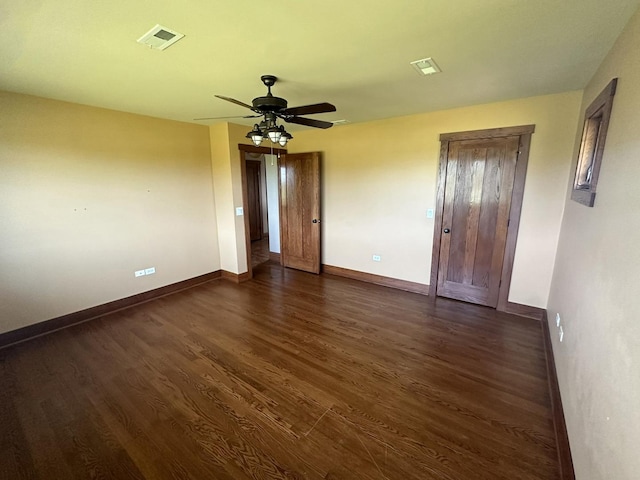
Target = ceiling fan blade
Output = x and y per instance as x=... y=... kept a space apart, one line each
x=233 y=100
x=221 y=118
x=310 y=122
x=310 y=109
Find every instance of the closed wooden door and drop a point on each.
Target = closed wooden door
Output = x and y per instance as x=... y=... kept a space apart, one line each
x=300 y=211
x=253 y=199
x=477 y=201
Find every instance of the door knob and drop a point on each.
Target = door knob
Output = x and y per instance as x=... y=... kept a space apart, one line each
x=315 y=220
x=446 y=230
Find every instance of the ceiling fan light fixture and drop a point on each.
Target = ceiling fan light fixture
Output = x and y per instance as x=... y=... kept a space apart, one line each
x=255 y=135
x=274 y=134
x=284 y=138
x=273 y=108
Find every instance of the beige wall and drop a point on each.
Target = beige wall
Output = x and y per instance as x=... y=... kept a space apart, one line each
x=379 y=179
x=596 y=288
x=88 y=196
x=237 y=135
x=224 y=201
x=227 y=176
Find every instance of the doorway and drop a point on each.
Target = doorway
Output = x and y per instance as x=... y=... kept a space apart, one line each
x=291 y=218
x=260 y=198
x=256 y=195
x=479 y=198
x=260 y=182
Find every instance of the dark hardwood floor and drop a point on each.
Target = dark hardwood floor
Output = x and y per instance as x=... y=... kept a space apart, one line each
x=259 y=251
x=290 y=375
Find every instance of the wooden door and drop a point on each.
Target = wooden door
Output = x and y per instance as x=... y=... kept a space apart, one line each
x=300 y=211
x=253 y=199
x=475 y=217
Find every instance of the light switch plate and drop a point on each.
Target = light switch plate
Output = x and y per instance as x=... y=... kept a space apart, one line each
x=430 y=213
x=239 y=211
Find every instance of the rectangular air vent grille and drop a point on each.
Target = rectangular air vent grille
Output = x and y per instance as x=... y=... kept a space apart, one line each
x=160 y=37
x=426 y=66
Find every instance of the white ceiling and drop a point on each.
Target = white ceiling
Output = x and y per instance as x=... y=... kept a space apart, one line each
x=354 y=54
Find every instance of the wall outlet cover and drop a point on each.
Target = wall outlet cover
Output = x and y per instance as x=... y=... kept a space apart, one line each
x=139 y=273
x=150 y=271
x=376 y=258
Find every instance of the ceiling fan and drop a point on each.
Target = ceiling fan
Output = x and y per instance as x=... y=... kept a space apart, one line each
x=272 y=108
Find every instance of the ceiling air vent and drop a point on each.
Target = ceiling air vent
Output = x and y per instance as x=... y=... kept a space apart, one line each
x=426 y=66
x=160 y=37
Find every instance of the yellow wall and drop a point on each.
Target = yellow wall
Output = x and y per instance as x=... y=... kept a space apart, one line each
x=379 y=179
x=224 y=202
x=237 y=134
x=227 y=178
x=596 y=288
x=88 y=196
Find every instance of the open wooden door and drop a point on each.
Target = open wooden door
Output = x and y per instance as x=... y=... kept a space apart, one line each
x=480 y=190
x=300 y=211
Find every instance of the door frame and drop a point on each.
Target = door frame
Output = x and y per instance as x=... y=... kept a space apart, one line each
x=245 y=199
x=522 y=131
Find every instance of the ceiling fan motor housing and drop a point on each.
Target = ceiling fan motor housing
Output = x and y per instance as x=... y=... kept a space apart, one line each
x=269 y=103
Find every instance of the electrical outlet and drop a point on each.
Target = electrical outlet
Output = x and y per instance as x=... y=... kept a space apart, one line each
x=150 y=271
x=139 y=273
x=561 y=334
x=376 y=258
x=557 y=319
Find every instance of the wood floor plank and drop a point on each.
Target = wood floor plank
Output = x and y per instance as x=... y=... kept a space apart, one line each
x=15 y=455
x=288 y=376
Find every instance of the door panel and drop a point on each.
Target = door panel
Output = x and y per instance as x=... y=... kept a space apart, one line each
x=477 y=200
x=300 y=211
